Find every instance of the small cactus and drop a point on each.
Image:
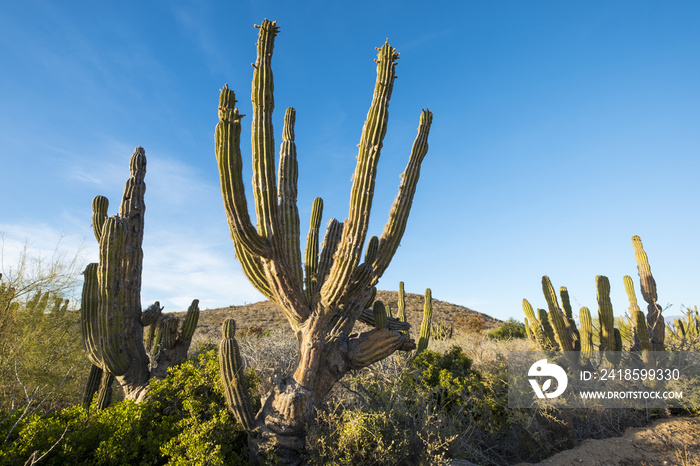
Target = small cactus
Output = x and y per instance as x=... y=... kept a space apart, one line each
x=425 y=325
x=235 y=383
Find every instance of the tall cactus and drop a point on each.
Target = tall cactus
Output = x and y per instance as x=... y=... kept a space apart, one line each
x=648 y=286
x=323 y=298
x=111 y=318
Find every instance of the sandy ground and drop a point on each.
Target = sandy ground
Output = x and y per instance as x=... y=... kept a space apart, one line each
x=670 y=441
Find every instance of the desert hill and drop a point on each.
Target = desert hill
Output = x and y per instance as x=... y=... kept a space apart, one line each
x=265 y=315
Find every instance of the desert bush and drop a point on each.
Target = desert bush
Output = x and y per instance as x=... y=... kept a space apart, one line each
x=510 y=329
x=184 y=421
x=471 y=323
x=41 y=355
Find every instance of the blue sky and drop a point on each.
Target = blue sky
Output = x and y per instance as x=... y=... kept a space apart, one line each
x=561 y=129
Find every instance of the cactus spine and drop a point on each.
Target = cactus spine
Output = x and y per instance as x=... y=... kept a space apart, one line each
x=323 y=298
x=112 y=322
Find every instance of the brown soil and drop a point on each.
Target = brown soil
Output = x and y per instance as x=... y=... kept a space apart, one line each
x=669 y=441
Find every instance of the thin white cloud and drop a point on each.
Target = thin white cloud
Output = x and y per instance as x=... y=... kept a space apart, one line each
x=179 y=268
x=195 y=19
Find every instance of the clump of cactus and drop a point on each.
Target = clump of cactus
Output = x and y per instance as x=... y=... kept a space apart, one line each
x=441 y=330
x=426 y=326
x=684 y=333
x=112 y=320
x=556 y=329
x=326 y=294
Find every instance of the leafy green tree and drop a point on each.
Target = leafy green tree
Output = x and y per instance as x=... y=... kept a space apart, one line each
x=508 y=330
x=41 y=355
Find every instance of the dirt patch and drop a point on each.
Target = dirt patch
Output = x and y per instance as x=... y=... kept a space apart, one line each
x=670 y=441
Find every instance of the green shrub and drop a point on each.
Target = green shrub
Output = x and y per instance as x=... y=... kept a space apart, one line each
x=184 y=421
x=510 y=329
x=405 y=412
x=448 y=377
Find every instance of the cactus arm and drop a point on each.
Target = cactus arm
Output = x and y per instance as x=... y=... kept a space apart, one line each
x=355 y=227
x=642 y=331
x=93 y=384
x=644 y=341
x=288 y=175
x=634 y=308
x=605 y=314
x=262 y=136
x=371 y=296
x=233 y=378
x=534 y=326
x=253 y=270
x=112 y=321
x=372 y=250
x=100 y=204
x=631 y=295
x=334 y=232
x=228 y=157
x=561 y=332
x=568 y=330
x=528 y=332
x=132 y=210
x=618 y=339
x=380 y=315
x=648 y=285
x=311 y=255
x=392 y=323
x=89 y=311
x=566 y=302
x=401 y=303
x=189 y=325
x=529 y=312
x=372 y=346
x=104 y=394
x=169 y=330
x=151 y=314
x=549 y=340
x=400 y=209
x=586 y=330
x=152 y=346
